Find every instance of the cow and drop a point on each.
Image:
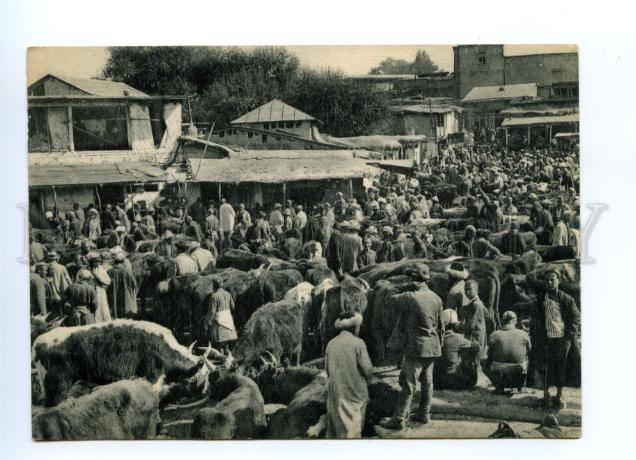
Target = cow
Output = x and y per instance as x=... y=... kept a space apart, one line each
x=305 y=410
x=279 y=384
x=112 y=351
x=276 y=327
x=239 y=414
x=41 y=324
x=127 y=409
x=241 y=260
x=349 y=295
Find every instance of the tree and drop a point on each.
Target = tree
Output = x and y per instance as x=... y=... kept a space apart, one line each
x=344 y=107
x=227 y=82
x=421 y=64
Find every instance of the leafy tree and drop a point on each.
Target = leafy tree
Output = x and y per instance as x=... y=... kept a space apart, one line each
x=423 y=63
x=344 y=107
x=227 y=82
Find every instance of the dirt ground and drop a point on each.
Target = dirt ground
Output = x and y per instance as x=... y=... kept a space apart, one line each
x=476 y=413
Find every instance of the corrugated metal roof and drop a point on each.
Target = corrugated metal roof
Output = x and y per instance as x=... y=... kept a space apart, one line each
x=47 y=175
x=274 y=110
x=541 y=110
x=104 y=88
x=527 y=121
x=483 y=93
x=277 y=166
x=424 y=108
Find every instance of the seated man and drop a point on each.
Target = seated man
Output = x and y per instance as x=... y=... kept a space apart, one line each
x=457 y=367
x=507 y=363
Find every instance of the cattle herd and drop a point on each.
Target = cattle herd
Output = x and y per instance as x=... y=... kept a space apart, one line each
x=157 y=375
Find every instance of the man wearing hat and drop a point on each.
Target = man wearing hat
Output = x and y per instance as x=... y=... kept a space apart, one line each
x=39 y=289
x=334 y=249
x=301 y=218
x=60 y=278
x=166 y=246
x=257 y=235
x=193 y=229
x=185 y=263
x=421 y=326
x=276 y=220
x=37 y=248
x=202 y=256
x=554 y=328
x=457 y=275
x=457 y=367
x=226 y=217
x=389 y=249
x=101 y=281
x=93 y=225
x=437 y=212
x=243 y=217
x=122 y=292
x=351 y=246
x=508 y=349
x=80 y=300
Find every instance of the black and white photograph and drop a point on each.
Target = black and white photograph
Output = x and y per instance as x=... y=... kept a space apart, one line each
x=304 y=242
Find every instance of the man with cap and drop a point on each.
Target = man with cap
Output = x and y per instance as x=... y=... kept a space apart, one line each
x=211 y=221
x=79 y=217
x=80 y=300
x=257 y=235
x=301 y=218
x=512 y=242
x=166 y=246
x=334 y=250
x=185 y=263
x=508 y=208
x=39 y=289
x=508 y=349
x=351 y=246
x=122 y=291
x=543 y=223
x=340 y=205
x=108 y=218
x=457 y=367
x=421 y=325
x=37 y=248
x=368 y=255
x=203 y=257
x=276 y=220
x=59 y=275
x=218 y=319
x=388 y=251
x=243 y=217
x=323 y=233
x=192 y=229
x=475 y=318
x=554 y=329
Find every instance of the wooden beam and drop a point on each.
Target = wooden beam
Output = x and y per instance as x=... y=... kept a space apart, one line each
x=69 y=115
x=284 y=193
x=219 y=193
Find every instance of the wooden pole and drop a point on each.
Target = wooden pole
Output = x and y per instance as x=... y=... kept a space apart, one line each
x=350 y=188
x=57 y=210
x=284 y=193
x=506 y=130
x=99 y=200
x=71 y=141
x=528 y=136
x=219 y=192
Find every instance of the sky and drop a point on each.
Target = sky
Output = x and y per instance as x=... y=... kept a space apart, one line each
x=351 y=59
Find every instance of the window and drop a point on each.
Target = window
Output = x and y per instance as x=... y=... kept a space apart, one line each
x=299 y=124
x=151 y=187
x=222 y=134
x=100 y=128
x=265 y=125
x=281 y=124
x=289 y=124
x=250 y=135
x=481 y=58
x=439 y=119
x=264 y=138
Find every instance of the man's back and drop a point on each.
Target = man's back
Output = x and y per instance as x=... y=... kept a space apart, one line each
x=185 y=264
x=421 y=322
x=509 y=345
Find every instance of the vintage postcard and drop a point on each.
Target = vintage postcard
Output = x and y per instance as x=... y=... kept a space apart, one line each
x=304 y=242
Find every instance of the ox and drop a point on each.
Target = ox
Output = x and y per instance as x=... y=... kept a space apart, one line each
x=108 y=352
x=128 y=409
x=240 y=413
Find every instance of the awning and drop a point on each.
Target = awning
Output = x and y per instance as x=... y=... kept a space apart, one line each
x=88 y=174
x=405 y=167
x=565 y=135
x=548 y=120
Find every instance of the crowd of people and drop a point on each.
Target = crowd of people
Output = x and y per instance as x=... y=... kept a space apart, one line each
x=492 y=192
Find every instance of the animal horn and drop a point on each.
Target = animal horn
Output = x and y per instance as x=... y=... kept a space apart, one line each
x=208 y=364
x=273 y=358
x=191 y=347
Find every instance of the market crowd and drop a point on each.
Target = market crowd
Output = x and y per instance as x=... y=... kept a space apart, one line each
x=485 y=191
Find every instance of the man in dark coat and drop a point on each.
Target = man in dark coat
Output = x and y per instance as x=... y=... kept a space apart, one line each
x=39 y=289
x=334 y=251
x=422 y=328
x=122 y=292
x=473 y=317
x=166 y=246
x=80 y=300
x=457 y=368
x=192 y=229
x=512 y=243
x=554 y=326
